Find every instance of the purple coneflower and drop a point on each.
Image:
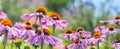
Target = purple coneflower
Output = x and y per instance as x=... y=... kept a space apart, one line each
x=116 y=44
x=7 y=28
x=100 y=28
x=69 y=35
x=57 y=20
x=28 y=31
x=82 y=44
x=111 y=30
x=98 y=37
x=37 y=16
x=36 y=39
x=19 y=26
x=116 y=20
x=81 y=33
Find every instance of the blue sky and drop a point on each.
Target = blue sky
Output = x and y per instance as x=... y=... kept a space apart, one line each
x=109 y=6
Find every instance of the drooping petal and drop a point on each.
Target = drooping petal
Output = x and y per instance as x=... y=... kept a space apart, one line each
x=3 y=15
x=56 y=41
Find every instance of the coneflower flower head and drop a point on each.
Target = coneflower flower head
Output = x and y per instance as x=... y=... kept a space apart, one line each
x=79 y=29
x=110 y=28
x=45 y=31
x=55 y=16
x=117 y=17
x=97 y=35
x=116 y=44
x=6 y=22
x=69 y=31
x=41 y=9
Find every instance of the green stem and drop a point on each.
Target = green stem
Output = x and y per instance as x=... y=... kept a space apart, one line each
x=35 y=47
x=12 y=45
x=92 y=47
x=42 y=42
x=19 y=47
x=5 y=40
x=98 y=45
x=40 y=18
x=51 y=46
x=68 y=39
x=53 y=29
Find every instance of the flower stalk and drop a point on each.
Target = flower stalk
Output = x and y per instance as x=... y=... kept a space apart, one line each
x=98 y=45
x=51 y=46
x=35 y=47
x=53 y=29
x=42 y=42
x=12 y=45
x=5 y=40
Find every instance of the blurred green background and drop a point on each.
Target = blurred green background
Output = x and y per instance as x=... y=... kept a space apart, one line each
x=85 y=13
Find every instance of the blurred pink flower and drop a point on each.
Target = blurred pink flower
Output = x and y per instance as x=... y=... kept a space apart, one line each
x=34 y=16
x=69 y=35
x=19 y=25
x=2 y=15
x=57 y=21
x=27 y=33
x=13 y=33
x=116 y=44
x=111 y=30
x=100 y=28
x=82 y=44
x=108 y=21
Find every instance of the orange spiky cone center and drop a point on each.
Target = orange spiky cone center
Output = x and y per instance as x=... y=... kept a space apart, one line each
x=97 y=35
x=79 y=29
x=117 y=17
x=7 y=22
x=55 y=16
x=110 y=28
x=41 y=9
x=69 y=31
